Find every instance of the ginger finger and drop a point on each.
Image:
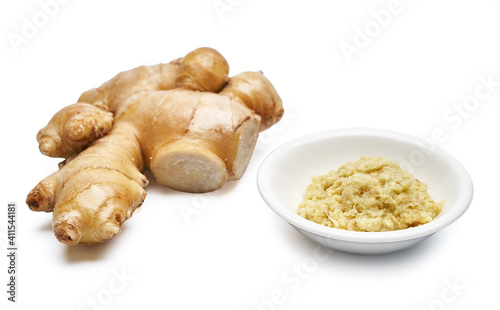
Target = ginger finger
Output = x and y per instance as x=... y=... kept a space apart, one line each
x=93 y=213
x=203 y=69
x=258 y=94
x=72 y=129
x=41 y=198
x=95 y=192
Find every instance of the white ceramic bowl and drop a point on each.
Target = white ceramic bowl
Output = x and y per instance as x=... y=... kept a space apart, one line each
x=285 y=173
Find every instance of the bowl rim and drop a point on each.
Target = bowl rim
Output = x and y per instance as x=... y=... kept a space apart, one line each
x=466 y=193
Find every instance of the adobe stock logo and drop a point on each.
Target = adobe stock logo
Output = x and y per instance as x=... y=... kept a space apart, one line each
x=292 y=279
x=200 y=202
x=30 y=27
x=105 y=296
x=460 y=111
x=372 y=28
x=222 y=7
x=267 y=136
x=453 y=118
x=448 y=295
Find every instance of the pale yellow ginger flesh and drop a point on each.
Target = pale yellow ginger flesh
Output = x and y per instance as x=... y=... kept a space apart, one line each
x=184 y=120
x=372 y=194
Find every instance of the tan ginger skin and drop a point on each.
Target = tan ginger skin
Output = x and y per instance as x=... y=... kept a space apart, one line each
x=186 y=121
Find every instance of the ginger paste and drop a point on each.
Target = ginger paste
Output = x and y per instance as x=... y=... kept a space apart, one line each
x=371 y=194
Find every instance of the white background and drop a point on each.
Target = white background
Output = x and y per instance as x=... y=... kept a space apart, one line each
x=415 y=70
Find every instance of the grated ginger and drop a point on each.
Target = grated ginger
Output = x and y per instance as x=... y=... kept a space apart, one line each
x=372 y=194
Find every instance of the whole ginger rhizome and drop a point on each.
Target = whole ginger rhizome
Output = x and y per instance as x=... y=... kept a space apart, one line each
x=371 y=194
x=187 y=121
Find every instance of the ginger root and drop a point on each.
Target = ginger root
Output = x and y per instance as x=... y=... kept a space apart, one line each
x=186 y=121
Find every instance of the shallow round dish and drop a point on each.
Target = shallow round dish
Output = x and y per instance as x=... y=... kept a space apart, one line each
x=285 y=173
